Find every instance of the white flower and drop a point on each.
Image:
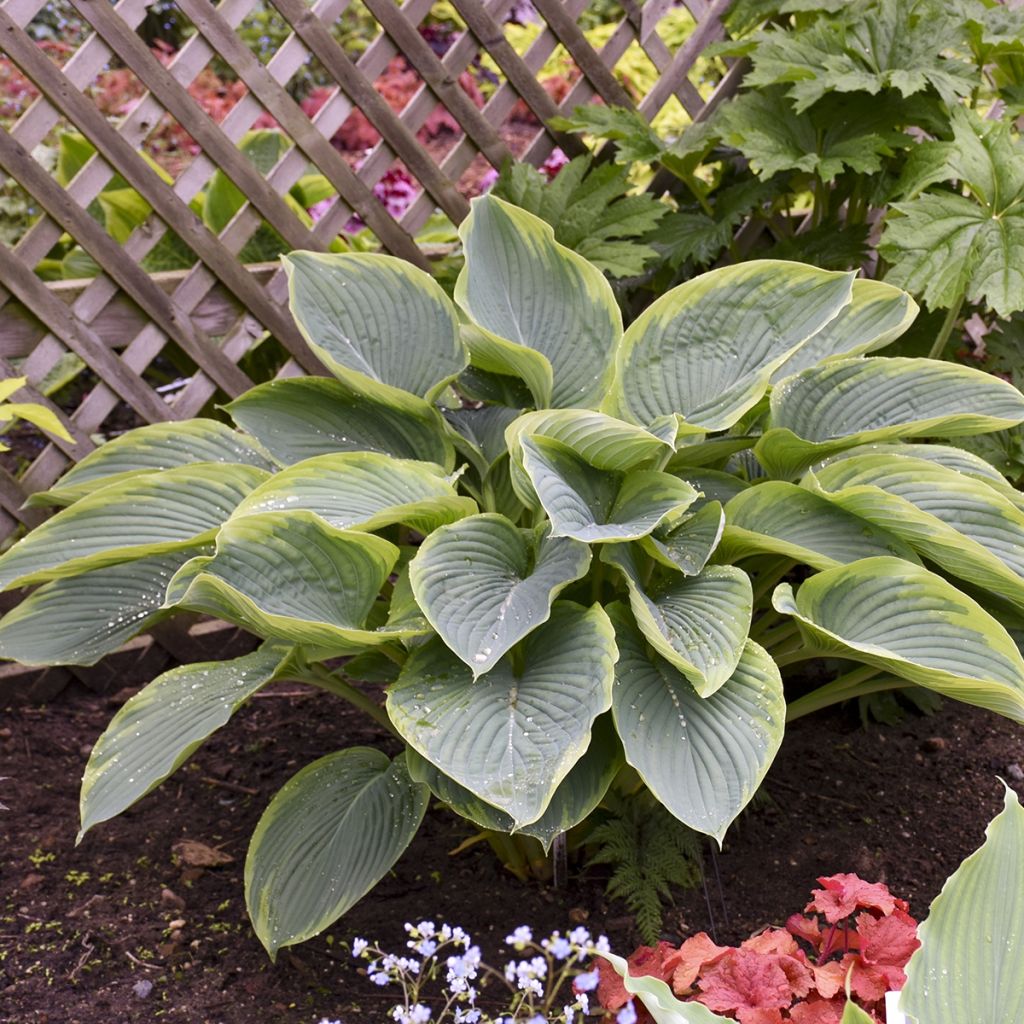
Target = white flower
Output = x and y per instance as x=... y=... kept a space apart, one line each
x=359 y=946
x=580 y=937
x=520 y=937
x=558 y=947
x=627 y=1015
x=586 y=982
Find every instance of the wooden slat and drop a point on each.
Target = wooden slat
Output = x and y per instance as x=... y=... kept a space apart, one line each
x=587 y=60
x=403 y=142
x=434 y=73
x=81 y=339
x=144 y=180
x=184 y=109
x=708 y=30
x=131 y=277
x=522 y=79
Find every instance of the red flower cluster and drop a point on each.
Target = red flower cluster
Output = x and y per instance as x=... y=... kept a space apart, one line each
x=797 y=973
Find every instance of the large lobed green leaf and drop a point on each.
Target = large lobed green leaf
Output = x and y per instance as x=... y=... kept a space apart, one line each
x=703 y=758
x=80 y=619
x=133 y=518
x=957 y=521
x=699 y=623
x=828 y=409
x=291 y=577
x=594 y=505
x=299 y=417
x=362 y=490
x=150 y=449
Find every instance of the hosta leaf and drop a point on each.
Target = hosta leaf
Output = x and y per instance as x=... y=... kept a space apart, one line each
x=698 y=624
x=578 y=794
x=702 y=757
x=908 y=621
x=602 y=441
x=877 y=315
x=827 y=409
x=967 y=970
x=292 y=577
x=531 y=296
x=382 y=326
x=592 y=505
x=712 y=484
x=134 y=518
x=697 y=450
x=962 y=461
x=958 y=522
x=362 y=490
x=707 y=349
x=782 y=519
x=484 y=584
x=330 y=834
x=157 y=730
x=151 y=449
x=81 y=619
x=299 y=417
x=659 y=999
x=484 y=428
x=688 y=546
x=511 y=736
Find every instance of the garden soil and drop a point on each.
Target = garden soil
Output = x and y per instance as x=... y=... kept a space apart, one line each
x=124 y=929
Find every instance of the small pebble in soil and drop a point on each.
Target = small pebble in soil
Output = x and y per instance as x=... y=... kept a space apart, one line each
x=171 y=899
x=142 y=988
x=1015 y=772
x=934 y=745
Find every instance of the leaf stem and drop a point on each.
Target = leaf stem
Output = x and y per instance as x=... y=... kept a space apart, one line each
x=771 y=638
x=800 y=654
x=939 y=345
x=326 y=680
x=847 y=686
x=772 y=573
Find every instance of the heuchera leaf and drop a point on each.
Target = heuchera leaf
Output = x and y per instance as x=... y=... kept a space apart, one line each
x=842 y=895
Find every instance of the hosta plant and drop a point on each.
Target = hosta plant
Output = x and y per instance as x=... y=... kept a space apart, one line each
x=564 y=546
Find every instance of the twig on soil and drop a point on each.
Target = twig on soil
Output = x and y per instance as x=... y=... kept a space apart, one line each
x=142 y=963
x=233 y=786
x=75 y=911
x=84 y=958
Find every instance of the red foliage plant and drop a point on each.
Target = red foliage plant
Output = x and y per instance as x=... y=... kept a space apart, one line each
x=850 y=929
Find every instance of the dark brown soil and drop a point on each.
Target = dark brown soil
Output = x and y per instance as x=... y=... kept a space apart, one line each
x=80 y=928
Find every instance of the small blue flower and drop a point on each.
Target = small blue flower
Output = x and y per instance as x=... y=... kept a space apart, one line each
x=627 y=1015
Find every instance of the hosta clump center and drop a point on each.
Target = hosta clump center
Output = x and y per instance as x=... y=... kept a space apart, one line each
x=562 y=545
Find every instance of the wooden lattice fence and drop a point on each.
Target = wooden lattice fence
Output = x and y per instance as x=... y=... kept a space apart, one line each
x=122 y=321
